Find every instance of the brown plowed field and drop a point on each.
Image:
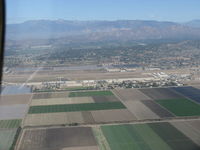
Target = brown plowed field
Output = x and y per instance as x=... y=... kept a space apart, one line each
x=50 y=95
x=74 y=117
x=53 y=119
x=140 y=110
x=195 y=124
x=131 y=94
x=57 y=101
x=99 y=99
x=57 y=138
x=112 y=115
x=15 y=99
x=45 y=119
x=87 y=117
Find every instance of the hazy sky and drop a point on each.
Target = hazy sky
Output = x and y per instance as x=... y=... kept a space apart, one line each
x=168 y=10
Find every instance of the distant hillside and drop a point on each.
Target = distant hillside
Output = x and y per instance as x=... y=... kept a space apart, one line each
x=98 y=30
x=193 y=23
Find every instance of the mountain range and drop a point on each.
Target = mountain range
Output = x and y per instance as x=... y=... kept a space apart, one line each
x=103 y=30
x=193 y=23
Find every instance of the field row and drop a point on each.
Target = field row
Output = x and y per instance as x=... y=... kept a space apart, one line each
x=70 y=94
x=157 y=103
x=180 y=135
x=181 y=107
x=75 y=138
x=7 y=124
x=154 y=136
x=50 y=95
x=73 y=100
x=75 y=107
x=190 y=92
x=84 y=117
x=160 y=93
x=15 y=99
x=90 y=93
x=7 y=137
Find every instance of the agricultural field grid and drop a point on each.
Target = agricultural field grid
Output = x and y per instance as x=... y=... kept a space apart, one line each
x=131 y=119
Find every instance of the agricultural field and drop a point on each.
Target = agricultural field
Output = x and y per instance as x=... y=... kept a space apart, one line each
x=88 y=117
x=75 y=138
x=162 y=113
x=90 y=93
x=181 y=107
x=84 y=117
x=15 y=99
x=122 y=119
x=152 y=136
x=58 y=101
x=117 y=115
x=140 y=111
x=45 y=119
x=190 y=128
x=13 y=111
x=158 y=103
x=50 y=95
x=99 y=99
x=131 y=94
x=100 y=108
x=53 y=119
x=195 y=124
x=160 y=93
x=190 y=92
x=9 y=131
x=7 y=124
x=75 y=107
x=7 y=137
x=173 y=137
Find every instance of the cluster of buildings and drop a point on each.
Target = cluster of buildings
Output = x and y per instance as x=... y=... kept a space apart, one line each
x=158 y=79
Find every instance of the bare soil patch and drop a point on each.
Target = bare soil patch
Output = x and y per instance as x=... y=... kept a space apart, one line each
x=50 y=95
x=15 y=99
x=113 y=115
x=140 y=110
x=99 y=99
x=58 y=101
x=131 y=94
x=45 y=119
x=87 y=117
x=57 y=138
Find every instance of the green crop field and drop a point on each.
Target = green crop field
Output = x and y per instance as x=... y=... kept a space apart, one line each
x=10 y=123
x=121 y=137
x=155 y=136
x=181 y=107
x=90 y=93
x=75 y=107
x=137 y=137
x=7 y=138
